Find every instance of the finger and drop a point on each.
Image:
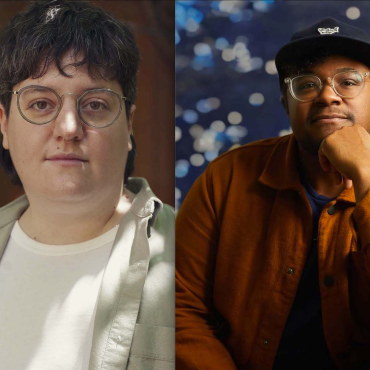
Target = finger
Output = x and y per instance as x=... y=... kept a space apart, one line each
x=324 y=162
x=338 y=179
x=347 y=183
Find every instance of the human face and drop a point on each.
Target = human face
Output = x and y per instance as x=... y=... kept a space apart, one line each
x=307 y=125
x=32 y=147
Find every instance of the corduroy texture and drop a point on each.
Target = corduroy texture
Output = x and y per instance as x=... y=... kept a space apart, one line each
x=244 y=223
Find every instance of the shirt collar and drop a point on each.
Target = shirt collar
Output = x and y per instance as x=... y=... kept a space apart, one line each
x=281 y=171
x=145 y=202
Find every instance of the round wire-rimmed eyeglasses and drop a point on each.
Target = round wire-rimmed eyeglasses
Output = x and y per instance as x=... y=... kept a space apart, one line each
x=346 y=84
x=98 y=108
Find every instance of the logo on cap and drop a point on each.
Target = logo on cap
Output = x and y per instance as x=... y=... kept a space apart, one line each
x=328 y=31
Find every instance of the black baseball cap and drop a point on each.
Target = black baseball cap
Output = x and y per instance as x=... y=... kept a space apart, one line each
x=329 y=34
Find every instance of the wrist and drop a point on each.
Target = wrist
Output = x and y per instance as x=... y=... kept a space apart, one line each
x=361 y=183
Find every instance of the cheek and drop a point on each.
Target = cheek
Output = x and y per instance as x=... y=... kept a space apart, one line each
x=25 y=141
x=110 y=151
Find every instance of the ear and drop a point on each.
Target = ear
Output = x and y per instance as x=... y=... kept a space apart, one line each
x=284 y=102
x=130 y=123
x=4 y=127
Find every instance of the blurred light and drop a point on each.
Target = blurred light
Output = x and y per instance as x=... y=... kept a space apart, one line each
x=178 y=110
x=285 y=132
x=182 y=168
x=228 y=55
x=192 y=25
x=214 y=102
x=201 y=62
x=247 y=15
x=202 y=49
x=256 y=99
x=190 y=116
x=243 y=39
x=215 y=5
x=197 y=160
x=236 y=16
x=227 y=6
x=256 y=62
x=186 y=2
x=177 y=193
x=210 y=156
x=235 y=133
x=195 y=14
x=234 y=118
x=221 y=43
x=177 y=37
x=178 y=133
x=353 y=13
x=203 y=106
x=207 y=142
x=240 y=50
x=261 y=6
x=218 y=126
x=196 y=131
x=180 y=16
x=270 y=67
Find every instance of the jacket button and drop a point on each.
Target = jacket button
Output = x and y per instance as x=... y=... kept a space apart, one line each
x=328 y=280
x=290 y=271
x=331 y=210
x=266 y=342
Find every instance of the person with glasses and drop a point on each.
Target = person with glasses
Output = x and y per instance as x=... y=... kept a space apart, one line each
x=273 y=240
x=87 y=254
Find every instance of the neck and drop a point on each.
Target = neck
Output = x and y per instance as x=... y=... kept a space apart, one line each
x=59 y=224
x=323 y=182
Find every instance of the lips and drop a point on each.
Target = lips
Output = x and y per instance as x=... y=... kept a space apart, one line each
x=67 y=157
x=328 y=117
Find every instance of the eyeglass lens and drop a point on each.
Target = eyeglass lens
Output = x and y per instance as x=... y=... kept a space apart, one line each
x=347 y=84
x=41 y=105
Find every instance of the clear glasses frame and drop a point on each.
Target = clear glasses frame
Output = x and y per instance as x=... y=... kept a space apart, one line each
x=19 y=92
x=289 y=81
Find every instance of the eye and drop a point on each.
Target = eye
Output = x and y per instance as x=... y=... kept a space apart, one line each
x=40 y=105
x=95 y=105
x=349 y=83
x=307 y=85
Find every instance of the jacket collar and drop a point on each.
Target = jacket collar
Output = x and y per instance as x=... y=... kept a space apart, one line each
x=281 y=171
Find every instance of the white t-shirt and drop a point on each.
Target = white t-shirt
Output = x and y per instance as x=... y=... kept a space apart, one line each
x=48 y=296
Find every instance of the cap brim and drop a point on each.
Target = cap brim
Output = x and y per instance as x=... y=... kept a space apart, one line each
x=300 y=50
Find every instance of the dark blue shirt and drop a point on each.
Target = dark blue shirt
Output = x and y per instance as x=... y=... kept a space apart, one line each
x=303 y=345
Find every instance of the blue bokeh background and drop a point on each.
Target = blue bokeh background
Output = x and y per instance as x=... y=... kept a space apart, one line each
x=227 y=89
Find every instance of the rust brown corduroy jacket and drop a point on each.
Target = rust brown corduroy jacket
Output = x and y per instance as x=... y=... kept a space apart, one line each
x=243 y=235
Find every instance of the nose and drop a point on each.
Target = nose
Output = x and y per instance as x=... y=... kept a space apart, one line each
x=68 y=125
x=327 y=95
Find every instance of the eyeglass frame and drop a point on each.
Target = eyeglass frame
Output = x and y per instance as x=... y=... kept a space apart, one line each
x=121 y=97
x=331 y=82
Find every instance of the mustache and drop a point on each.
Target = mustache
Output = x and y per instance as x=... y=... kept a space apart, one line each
x=349 y=115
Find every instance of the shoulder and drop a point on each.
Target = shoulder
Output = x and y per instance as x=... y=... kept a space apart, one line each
x=243 y=164
x=248 y=156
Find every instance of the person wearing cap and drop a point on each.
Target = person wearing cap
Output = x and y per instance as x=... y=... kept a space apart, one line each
x=87 y=254
x=273 y=239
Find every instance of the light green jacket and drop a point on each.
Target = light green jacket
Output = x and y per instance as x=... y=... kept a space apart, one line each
x=135 y=314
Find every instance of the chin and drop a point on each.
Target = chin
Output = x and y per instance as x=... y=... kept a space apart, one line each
x=66 y=191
